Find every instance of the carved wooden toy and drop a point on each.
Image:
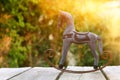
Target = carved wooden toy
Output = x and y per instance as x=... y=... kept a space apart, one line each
x=70 y=35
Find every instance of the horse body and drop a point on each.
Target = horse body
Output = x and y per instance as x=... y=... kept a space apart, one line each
x=70 y=35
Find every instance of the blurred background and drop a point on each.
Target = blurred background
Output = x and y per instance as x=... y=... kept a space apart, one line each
x=29 y=27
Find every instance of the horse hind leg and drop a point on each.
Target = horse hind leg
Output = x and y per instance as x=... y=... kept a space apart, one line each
x=66 y=45
x=92 y=46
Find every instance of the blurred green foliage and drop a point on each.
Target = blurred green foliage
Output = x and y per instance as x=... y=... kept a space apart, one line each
x=21 y=27
x=29 y=38
x=29 y=27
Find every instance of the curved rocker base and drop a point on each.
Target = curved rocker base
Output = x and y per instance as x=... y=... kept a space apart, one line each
x=96 y=68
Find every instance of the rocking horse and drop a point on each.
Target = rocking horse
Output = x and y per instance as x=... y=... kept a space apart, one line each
x=70 y=35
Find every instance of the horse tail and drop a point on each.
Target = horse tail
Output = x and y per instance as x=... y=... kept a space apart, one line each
x=100 y=47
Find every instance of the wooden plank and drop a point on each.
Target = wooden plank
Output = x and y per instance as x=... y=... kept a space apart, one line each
x=6 y=73
x=113 y=72
x=71 y=76
x=97 y=75
x=86 y=76
x=38 y=73
x=49 y=73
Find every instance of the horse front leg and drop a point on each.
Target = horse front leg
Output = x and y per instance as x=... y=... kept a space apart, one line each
x=66 y=45
x=92 y=46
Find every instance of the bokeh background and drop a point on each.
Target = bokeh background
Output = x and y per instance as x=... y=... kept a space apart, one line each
x=29 y=27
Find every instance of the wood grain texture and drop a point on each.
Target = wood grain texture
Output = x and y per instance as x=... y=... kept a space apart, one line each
x=86 y=76
x=113 y=72
x=38 y=73
x=49 y=73
x=6 y=73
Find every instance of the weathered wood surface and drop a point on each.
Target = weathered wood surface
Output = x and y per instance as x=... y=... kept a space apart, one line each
x=85 y=76
x=6 y=73
x=113 y=72
x=38 y=73
x=49 y=73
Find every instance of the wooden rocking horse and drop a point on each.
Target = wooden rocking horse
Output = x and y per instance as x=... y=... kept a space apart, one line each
x=70 y=35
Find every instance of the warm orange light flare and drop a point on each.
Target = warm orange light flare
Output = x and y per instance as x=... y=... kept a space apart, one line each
x=89 y=14
x=93 y=11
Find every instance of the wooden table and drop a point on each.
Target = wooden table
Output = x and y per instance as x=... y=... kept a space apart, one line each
x=49 y=73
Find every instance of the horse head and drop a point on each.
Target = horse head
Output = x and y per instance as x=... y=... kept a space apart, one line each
x=64 y=17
